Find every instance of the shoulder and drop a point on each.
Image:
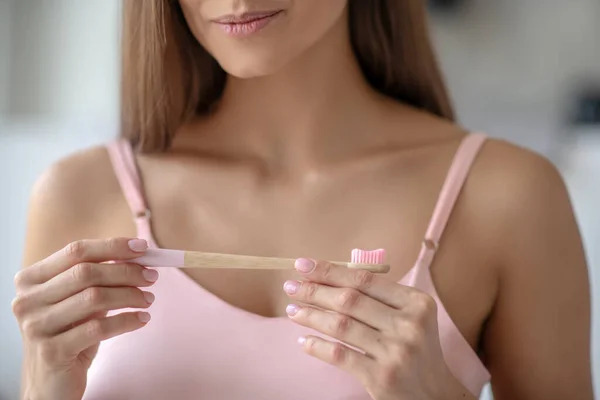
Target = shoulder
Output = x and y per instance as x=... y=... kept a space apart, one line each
x=67 y=175
x=515 y=180
x=69 y=198
x=517 y=200
x=507 y=159
x=507 y=186
x=506 y=180
x=76 y=184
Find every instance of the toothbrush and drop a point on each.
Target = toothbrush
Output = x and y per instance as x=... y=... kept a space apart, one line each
x=157 y=258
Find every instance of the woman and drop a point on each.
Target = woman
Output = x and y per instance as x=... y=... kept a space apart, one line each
x=299 y=129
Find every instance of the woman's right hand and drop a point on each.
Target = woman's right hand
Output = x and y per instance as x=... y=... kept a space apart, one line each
x=62 y=304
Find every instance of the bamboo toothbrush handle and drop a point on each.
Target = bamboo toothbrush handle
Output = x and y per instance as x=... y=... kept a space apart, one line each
x=215 y=260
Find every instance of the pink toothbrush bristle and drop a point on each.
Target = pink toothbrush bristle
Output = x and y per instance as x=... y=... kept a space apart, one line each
x=368 y=257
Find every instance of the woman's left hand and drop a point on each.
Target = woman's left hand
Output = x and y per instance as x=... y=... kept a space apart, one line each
x=394 y=325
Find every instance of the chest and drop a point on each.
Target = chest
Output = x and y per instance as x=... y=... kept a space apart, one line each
x=320 y=217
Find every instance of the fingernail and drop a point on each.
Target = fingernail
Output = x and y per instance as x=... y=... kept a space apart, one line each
x=301 y=340
x=143 y=317
x=305 y=265
x=138 y=245
x=149 y=297
x=291 y=287
x=150 y=275
x=292 y=310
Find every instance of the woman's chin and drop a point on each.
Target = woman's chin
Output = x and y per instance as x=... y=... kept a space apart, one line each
x=248 y=71
x=252 y=66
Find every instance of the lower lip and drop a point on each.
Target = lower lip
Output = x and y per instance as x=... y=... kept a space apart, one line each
x=247 y=28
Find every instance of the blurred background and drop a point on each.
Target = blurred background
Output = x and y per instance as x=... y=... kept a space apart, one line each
x=524 y=70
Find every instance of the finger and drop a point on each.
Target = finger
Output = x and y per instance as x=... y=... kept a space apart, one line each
x=339 y=326
x=388 y=292
x=100 y=314
x=61 y=316
x=76 y=340
x=85 y=275
x=346 y=301
x=339 y=355
x=94 y=251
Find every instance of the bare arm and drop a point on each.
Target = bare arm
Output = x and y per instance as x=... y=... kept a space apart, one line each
x=537 y=340
x=65 y=206
x=49 y=222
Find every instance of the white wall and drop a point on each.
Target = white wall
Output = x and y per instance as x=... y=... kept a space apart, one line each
x=5 y=45
x=581 y=169
x=64 y=59
x=510 y=63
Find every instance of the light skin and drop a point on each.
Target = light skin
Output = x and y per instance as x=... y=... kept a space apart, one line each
x=290 y=165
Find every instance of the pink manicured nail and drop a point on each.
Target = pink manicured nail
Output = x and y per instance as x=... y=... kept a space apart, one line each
x=143 y=317
x=138 y=245
x=292 y=310
x=150 y=275
x=291 y=287
x=305 y=265
x=301 y=340
x=149 y=297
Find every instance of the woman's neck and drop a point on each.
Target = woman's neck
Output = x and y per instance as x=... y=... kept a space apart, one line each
x=304 y=113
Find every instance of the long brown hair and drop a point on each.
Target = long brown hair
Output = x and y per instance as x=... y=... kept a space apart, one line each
x=167 y=76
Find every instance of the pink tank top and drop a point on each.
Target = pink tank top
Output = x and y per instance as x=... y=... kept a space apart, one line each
x=213 y=350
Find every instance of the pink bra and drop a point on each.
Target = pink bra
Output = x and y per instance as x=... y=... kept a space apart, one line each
x=216 y=351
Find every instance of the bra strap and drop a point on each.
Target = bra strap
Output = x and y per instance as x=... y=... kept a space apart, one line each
x=126 y=171
x=455 y=180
